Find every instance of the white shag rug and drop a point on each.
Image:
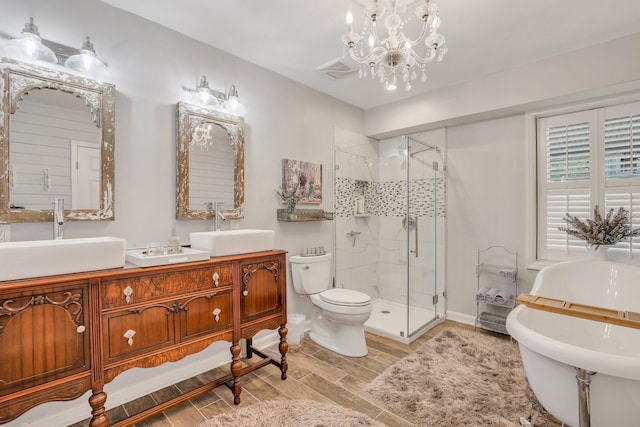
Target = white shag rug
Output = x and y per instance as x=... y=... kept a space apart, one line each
x=460 y=378
x=292 y=413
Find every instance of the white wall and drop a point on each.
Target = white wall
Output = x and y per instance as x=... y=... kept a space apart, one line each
x=150 y=66
x=486 y=202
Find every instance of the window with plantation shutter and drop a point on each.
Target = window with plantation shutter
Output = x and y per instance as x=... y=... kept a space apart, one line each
x=568 y=152
x=622 y=146
x=586 y=159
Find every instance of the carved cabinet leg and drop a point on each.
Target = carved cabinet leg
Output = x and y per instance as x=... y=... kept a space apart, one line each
x=283 y=347
x=98 y=415
x=236 y=370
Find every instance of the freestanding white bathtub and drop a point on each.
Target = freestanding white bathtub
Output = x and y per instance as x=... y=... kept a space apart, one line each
x=552 y=345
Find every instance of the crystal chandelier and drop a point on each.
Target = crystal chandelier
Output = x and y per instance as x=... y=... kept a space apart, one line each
x=395 y=57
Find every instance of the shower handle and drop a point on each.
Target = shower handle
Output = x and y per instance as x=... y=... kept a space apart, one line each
x=353 y=235
x=415 y=225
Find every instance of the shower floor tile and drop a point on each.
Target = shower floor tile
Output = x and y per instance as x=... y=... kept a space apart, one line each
x=389 y=319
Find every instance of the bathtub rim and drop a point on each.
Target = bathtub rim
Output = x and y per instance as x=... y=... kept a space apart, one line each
x=569 y=354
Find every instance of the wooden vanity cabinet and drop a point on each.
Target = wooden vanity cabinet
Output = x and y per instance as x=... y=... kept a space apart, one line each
x=63 y=335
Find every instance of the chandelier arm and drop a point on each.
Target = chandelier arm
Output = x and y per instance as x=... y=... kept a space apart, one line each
x=366 y=59
x=426 y=59
x=423 y=33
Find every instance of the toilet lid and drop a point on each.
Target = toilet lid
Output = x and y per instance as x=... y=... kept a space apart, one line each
x=341 y=296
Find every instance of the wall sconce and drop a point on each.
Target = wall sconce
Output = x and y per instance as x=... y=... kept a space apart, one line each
x=31 y=47
x=232 y=104
x=206 y=96
x=229 y=102
x=86 y=60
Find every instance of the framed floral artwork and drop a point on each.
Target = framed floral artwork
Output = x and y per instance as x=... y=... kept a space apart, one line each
x=302 y=179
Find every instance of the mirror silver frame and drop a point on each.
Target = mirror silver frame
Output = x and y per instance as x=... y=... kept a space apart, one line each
x=18 y=79
x=190 y=116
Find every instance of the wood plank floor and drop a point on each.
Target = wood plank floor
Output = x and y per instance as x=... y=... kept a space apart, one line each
x=314 y=373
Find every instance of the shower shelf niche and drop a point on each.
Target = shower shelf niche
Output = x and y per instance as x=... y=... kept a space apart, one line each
x=304 y=215
x=497 y=287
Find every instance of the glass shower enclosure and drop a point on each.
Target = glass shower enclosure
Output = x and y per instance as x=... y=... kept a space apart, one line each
x=390 y=218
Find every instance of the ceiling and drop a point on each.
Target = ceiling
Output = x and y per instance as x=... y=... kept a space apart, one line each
x=293 y=37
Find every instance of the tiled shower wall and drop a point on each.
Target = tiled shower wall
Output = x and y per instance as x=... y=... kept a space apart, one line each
x=390 y=198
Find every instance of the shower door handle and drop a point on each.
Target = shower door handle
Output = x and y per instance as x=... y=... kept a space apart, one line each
x=415 y=225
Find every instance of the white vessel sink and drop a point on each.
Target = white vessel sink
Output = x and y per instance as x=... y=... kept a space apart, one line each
x=230 y=242
x=36 y=258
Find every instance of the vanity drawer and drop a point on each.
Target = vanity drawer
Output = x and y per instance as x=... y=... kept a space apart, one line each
x=131 y=332
x=127 y=291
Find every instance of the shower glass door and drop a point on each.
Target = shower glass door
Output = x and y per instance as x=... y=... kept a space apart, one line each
x=388 y=229
x=421 y=226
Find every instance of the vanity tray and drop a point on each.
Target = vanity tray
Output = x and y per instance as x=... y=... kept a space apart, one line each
x=141 y=259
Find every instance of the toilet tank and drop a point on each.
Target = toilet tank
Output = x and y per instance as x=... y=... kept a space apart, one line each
x=311 y=274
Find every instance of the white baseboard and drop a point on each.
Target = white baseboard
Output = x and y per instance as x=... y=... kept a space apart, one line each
x=461 y=317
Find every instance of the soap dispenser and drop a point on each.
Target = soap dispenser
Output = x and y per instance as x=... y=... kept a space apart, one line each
x=174 y=242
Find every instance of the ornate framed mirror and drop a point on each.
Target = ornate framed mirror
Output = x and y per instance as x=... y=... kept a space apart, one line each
x=210 y=163
x=56 y=140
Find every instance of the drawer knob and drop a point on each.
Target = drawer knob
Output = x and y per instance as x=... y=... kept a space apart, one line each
x=216 y=314
x=129 y=336
x=245 y=292
x=80 y=329
x=127 y=294
x=216 y=278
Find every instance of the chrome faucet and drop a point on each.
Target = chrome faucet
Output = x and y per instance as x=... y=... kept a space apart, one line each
x=217 y=216
x=58 y=218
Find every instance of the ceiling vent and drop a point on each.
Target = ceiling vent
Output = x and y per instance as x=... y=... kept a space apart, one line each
x=336 y=68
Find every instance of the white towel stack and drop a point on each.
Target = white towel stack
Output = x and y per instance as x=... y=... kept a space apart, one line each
x=491 y=295
x=481 y=294
x=503 y=298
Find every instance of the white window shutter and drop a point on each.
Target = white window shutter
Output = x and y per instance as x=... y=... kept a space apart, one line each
x=630 y=200
x=558 y=245
x=568 y=153
x=622 y=146
x=566 y=167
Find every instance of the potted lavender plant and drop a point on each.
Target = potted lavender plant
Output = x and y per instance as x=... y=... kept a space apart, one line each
x=601 y=231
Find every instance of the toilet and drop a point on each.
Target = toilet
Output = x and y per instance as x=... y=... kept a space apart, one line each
x=338 y=317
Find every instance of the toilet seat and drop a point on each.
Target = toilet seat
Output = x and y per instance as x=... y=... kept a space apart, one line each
x=345 y=297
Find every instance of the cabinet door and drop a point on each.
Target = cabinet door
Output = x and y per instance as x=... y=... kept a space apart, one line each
x=44 y=335
x=204 y=314
x=130 y=332
x=261 y=289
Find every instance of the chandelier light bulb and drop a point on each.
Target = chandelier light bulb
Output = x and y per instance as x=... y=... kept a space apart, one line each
x=393 y=84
